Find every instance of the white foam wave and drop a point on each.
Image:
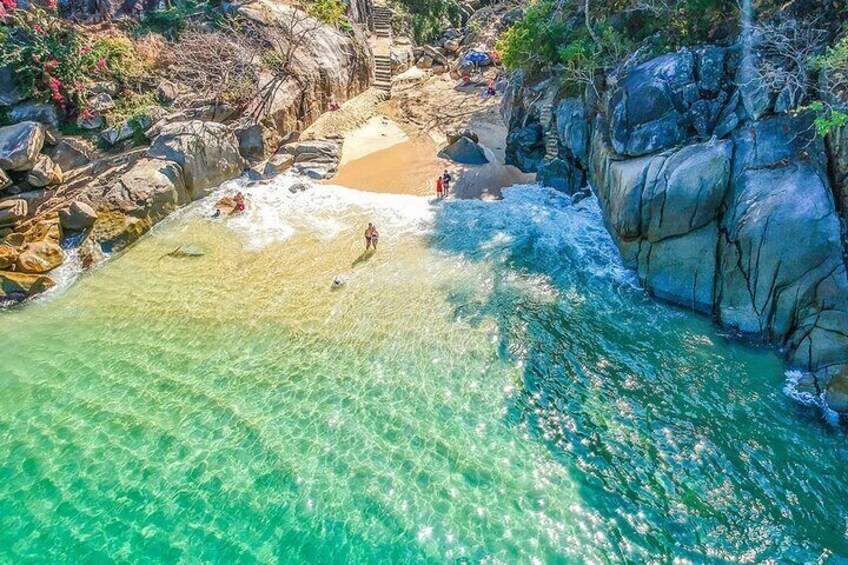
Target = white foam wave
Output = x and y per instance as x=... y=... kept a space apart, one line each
x=794 y=388
x=559 y=231
x=275 y=213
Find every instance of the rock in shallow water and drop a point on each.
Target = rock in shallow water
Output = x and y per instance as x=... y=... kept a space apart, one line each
x=837 y=394
x=20 y=286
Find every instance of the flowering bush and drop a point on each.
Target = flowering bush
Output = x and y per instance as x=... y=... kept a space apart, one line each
x=54 y=63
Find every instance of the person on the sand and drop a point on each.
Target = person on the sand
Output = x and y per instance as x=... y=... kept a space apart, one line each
x=439 y=188
x=446 y=180
x=490 y=88
x=371 y=237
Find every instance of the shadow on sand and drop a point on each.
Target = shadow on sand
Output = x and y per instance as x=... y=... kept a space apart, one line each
x=364 y=258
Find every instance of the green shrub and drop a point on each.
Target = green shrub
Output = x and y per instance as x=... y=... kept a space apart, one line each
x=330 y=12
x=833 y=65
x=553 y=35
x=48 y=57
x=426 y=17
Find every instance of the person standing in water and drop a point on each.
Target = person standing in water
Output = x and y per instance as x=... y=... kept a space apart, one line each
x=371 y=237
x=439 y=188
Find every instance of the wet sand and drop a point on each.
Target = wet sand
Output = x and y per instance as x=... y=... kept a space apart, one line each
x=409 y=167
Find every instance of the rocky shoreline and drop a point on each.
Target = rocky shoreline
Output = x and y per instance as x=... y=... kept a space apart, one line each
x=723 y=199
x=63 y=191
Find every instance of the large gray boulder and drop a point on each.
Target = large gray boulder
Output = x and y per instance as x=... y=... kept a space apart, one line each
x=663 y=210
x=149 y=191
x=780 y=196
x=207 y=153
x=78 y=216
x=316 y=159
x=681 y=269
x=35 y=112
x=525 y=147
x=684 y=191
x=72 y=153
x=464 y=151
x=329 y=63
x=648 y=111
x=20 y=145
x=561 y=174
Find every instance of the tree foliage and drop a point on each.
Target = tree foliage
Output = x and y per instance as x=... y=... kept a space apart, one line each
x=426 y=18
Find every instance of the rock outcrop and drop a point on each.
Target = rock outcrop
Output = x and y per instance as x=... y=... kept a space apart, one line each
x=207 y=153
x=316 y=159
x=466 y=151
x=329 y=65
x=20 y=145
x=718 y=203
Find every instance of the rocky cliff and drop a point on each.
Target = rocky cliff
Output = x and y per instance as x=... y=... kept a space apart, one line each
x=721 y=198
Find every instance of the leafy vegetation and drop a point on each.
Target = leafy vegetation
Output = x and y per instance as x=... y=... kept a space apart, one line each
x=425 y=17
x=53 y=62
x=832 y=65
x=554 y=35
x=330 y=12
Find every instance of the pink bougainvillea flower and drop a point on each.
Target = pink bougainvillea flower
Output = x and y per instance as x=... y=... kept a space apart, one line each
x=52 y=5
x=38 y=29
x=9 y=4
x=3 y=13
x=86 y=114
x=85 y=50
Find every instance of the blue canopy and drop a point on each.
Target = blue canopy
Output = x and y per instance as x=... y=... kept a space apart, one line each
x=477 y=57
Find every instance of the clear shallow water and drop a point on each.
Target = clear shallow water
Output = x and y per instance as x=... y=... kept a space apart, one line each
x=490 y=386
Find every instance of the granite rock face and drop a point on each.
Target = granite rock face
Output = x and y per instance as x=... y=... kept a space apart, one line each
x=20 y=145
x=719 y=201
x=207 y=153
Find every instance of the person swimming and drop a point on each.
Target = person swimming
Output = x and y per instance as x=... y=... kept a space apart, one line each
x=371 y=237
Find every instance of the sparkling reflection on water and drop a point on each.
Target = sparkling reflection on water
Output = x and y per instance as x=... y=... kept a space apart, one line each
x=490 y=386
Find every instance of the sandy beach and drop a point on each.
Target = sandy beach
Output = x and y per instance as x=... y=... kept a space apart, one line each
x=392 y=145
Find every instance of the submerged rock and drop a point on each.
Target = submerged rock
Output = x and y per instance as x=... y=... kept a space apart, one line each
x=186 y=251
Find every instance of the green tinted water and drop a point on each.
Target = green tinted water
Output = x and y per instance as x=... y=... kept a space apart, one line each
x=489 y=386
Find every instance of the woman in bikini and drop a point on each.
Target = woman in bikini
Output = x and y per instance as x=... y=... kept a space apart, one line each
x=371 y=237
